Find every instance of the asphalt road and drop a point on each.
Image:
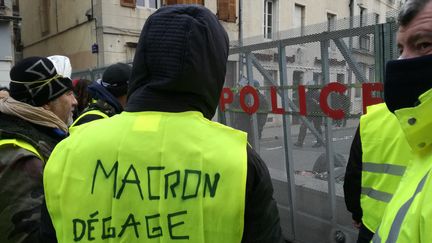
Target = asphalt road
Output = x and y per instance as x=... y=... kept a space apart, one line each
x=272 y=149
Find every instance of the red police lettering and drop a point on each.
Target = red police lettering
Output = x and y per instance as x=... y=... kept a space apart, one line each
x=325 y=92
x=225 y=98
x=275 y=109
x=368 y=99
x=255 y=105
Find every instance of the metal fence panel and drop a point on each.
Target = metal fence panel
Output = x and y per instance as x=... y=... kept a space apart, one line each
x=304 y=145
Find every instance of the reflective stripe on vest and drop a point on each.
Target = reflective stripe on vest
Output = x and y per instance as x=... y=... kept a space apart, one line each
x=21 y=144
x=400 y=216
x=385 y=156
x=149 y=176
x=91 y=112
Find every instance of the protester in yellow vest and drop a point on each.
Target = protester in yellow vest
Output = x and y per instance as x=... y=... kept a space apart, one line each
x=408 y=94
x=162 y=171
x=33 y=119
x=109 y=94
x=378 y=159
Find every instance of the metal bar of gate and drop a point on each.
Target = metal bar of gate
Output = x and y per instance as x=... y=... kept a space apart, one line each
x=290 y=103
x=289 y=166
x=329 y=145
x=253 y=121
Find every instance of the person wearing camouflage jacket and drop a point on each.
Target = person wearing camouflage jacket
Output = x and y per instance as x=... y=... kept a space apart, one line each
x=33 y=120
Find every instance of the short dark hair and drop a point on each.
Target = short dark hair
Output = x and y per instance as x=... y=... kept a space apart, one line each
x=409 y=11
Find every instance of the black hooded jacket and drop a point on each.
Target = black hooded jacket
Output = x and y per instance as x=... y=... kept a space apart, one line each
x=180 y=65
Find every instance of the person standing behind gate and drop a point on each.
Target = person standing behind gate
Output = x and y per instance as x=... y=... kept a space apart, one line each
x=33 y=119
x=314 y=116
x=242 y=120
x=162 y=169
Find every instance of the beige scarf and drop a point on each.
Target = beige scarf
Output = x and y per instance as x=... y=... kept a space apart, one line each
x=36 y=115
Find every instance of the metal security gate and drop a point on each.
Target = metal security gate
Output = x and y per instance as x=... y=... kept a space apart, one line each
x=299 y=98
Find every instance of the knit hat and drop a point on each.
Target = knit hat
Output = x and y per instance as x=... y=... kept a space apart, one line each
x=38 y=80
x=116 y=79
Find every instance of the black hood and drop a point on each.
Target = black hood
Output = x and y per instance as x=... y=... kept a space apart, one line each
x=180 y=62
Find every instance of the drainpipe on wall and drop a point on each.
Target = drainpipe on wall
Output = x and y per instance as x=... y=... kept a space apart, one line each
x=240 y=38
x=350 y=41
x=96 y=32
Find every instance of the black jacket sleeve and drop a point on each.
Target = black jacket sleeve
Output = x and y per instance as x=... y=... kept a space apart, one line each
x=352 y=183
x=47 y=231
x=262 y=222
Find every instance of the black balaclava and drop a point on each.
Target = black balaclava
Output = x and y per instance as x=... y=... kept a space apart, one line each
x=406 y=80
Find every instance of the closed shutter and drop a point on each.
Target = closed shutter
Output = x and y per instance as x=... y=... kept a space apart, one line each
x=128 y=3
x=171 y=2
x=232 y=11
x=227 y=10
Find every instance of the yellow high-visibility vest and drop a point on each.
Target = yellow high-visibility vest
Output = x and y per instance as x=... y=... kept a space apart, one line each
x=90 y=112
x=21 y=144
x=408 y=217
x=149 y=177
x=386 y=154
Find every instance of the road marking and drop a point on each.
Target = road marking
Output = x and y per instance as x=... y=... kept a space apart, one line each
x=274 y=148
x=342 y=138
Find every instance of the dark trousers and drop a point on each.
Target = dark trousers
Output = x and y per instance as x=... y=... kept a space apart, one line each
x=316 y=121
x=365 y=235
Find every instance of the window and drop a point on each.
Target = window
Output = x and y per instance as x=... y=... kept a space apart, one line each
x=363 y=17
x=365 y=42
x=331 y=25
x=44 y=16
x=331 y=21
x=2 y=4
x=299 y=18
x=372 y=74
x=268 y=19
x=148 y=3
x=340 y=78
x=317 y=78
x=226 y=10
x=377 y=18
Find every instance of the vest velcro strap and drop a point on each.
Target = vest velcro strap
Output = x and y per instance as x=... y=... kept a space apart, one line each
x=397 y=170
x=377 y=195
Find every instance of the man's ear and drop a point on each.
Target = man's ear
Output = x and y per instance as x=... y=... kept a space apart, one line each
x=47 y=106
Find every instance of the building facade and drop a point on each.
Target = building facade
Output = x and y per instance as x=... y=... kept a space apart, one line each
x=8 y=26
x=96 y=33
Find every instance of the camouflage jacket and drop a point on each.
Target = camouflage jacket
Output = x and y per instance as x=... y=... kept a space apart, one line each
x=21 y=187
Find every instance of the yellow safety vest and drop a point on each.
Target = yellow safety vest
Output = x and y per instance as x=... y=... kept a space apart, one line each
x=21 y=144
x=408 y=217
x=386 y=154
x=90 y=112
x=149 y=177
